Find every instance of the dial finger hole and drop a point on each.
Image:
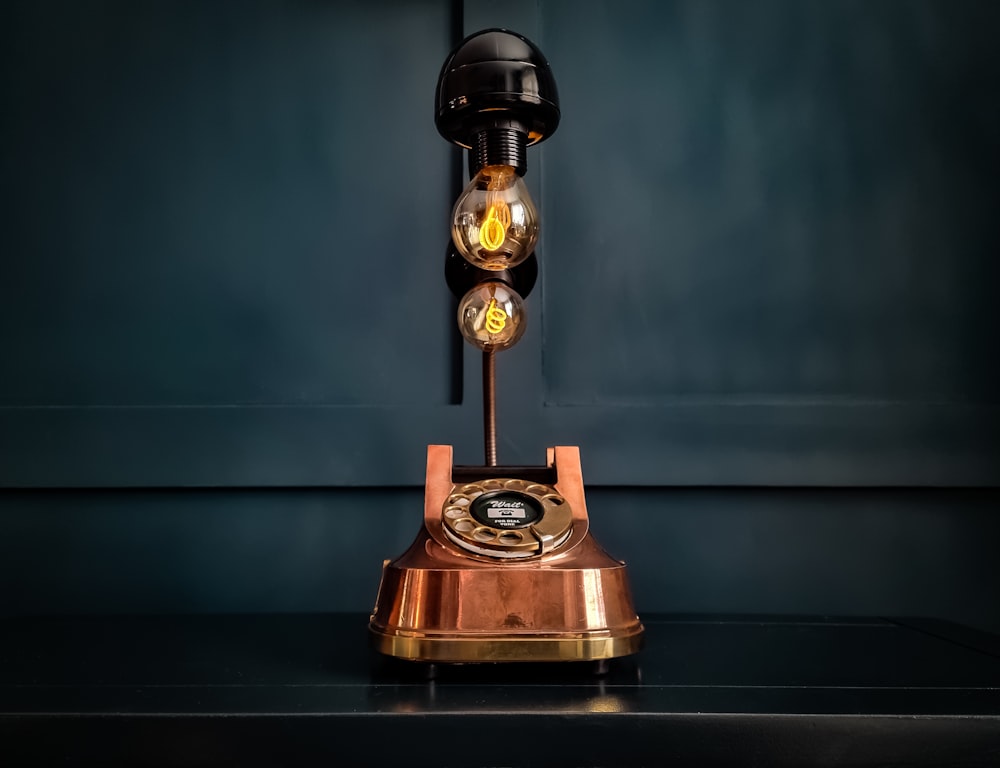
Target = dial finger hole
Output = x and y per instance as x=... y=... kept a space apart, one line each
x=454 y=513
x=484 y=534
x=464 y=526
x=511 y=538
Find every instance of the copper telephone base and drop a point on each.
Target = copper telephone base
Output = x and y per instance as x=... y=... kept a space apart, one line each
x=504 y=570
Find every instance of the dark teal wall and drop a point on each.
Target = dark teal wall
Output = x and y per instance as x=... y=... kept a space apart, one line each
x=842 y=551
x=765 y=311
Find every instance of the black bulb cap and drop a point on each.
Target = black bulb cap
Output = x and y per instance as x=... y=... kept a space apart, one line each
x=496 y=79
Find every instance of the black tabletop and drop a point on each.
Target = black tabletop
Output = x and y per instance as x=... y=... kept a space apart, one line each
x=306 y=689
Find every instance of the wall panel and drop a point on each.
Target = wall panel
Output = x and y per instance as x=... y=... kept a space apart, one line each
x=213 y=210
x=777 y=216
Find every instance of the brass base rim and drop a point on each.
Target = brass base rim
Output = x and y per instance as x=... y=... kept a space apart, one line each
x=505 y=648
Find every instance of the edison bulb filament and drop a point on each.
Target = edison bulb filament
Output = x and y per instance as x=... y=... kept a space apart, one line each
x=496 y=318
x=493 y=230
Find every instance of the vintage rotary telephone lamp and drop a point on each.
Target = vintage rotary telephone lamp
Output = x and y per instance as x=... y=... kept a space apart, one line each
x=504 y=568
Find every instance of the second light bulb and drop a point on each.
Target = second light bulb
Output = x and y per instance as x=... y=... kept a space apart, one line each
x=491 y=316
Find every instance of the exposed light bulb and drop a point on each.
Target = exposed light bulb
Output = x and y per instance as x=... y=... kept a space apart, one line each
x=491 y=316
x=495 y=222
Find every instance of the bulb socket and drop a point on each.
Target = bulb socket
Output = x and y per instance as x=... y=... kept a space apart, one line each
x=499 y=146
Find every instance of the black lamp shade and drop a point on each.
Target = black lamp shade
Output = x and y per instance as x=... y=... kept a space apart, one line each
x=496 y=79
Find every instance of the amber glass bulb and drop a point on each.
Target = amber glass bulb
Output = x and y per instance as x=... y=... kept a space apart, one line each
x=491 y=316
x=495 y=223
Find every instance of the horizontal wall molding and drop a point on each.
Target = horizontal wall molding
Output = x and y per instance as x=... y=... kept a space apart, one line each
x=777 y=445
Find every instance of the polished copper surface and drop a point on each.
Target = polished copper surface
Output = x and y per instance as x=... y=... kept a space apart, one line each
x=439 y=602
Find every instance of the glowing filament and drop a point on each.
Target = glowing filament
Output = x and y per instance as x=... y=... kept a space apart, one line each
x=493 y=230
x=496 y=318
